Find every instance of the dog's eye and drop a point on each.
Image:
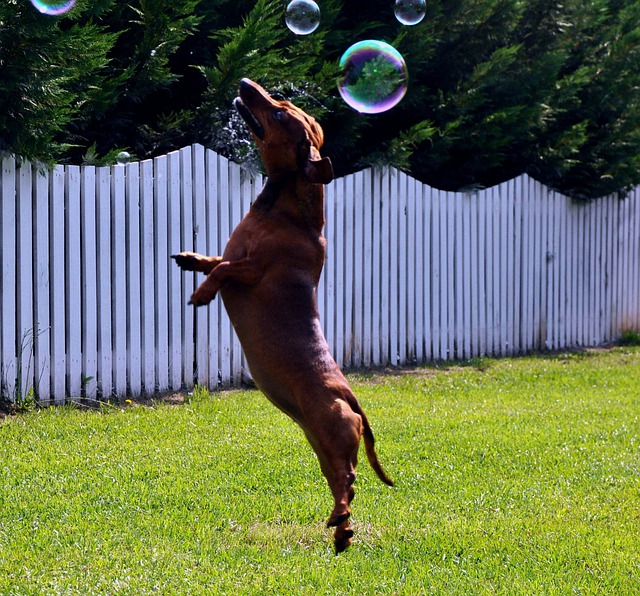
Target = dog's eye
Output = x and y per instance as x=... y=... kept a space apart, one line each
x=279 y=115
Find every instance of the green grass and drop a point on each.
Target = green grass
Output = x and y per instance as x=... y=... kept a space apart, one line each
x=515 y=476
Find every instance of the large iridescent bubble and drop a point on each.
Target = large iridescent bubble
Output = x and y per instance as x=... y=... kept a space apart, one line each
x=373 y=76
x=53 y=7
x=302 y=16
x=410 y=12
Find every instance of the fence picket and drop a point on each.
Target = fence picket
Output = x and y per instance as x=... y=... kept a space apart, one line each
x=175 y=283
x=104 y=300
x=377 y=250
x=511 y=297
x=201 y=322
x=236 y=216
x=89 y=281
x=24 y=285
x=328 y=275
x=385 y=267
x=359 y=267
x=524 y=334
x=480 y=215
x=456 y=209
x=612 y=270
x=585 y=319
x=440 y=272
x=552 y=226
x=634 y=322
x=597 y=261
x=626 y=268
x=41 y=312
x=73 y=277
x=429 y=301
x=534 y=214
x=211 y=249
x=574 y=275
x=394 y=272
x=161 y=313
x=416 y=270
x=365 y=214
x=518 y=277
x=349 y=299
x=225 y=198
x=496 y=268
x=471 y=275
x=339 y=310
x=466 y=288
x=91 y=304
x=8 y=331
x=245 y=199
x=119 y=279
x=403 y=287
x=134 y=293
x=187 y=350
x=57 y=275
x=147 y=277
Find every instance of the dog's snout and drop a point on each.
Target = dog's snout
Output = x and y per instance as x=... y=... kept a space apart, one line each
x=245 y=84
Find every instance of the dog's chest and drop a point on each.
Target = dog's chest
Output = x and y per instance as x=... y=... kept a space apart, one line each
x=277 y=243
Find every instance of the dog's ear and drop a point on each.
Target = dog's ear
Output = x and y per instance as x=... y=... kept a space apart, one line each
x=317 y=169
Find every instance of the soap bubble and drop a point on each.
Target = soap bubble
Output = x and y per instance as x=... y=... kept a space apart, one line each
x=374 y=76
x=302 y=16
x=410 y=12
x=53 y=7
x=123 y=158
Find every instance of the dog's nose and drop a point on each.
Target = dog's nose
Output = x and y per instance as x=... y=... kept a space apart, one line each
x=246 y=84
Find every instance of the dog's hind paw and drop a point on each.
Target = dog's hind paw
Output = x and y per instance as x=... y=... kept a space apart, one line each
x=342 y=539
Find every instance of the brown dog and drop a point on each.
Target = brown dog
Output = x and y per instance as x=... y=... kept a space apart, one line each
x=268 y=277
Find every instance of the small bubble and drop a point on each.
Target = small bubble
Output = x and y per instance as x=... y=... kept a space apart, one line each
x=123 y=158
x=410 y=12
x=302 y=16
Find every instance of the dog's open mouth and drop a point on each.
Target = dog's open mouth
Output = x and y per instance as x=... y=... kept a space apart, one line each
x=249 y=118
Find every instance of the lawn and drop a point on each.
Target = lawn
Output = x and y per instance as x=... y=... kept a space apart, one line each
x=514 y=476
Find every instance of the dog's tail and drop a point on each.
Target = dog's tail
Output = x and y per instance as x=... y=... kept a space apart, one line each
x=369 y=441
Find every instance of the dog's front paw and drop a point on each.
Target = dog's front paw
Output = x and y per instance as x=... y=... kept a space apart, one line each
x=187 y=261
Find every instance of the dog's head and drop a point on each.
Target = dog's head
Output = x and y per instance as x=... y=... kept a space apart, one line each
x=288 y=139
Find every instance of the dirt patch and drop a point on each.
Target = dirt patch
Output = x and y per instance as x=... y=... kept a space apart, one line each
x=374 y=376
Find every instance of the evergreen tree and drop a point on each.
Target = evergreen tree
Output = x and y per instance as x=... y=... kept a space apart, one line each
x=50 y=67
x=143 y=108
x=589 y=141
x=496 y=87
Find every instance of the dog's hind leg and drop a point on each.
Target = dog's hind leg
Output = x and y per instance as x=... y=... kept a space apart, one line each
x=341 y=485
x=337 y=451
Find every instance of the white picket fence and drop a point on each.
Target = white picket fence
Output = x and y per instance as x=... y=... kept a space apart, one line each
x=92 y=305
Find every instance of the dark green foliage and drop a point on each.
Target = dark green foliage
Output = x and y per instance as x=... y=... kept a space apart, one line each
x=591 y=139
x=496 y=87
x=50 y=70
x=630 y=338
